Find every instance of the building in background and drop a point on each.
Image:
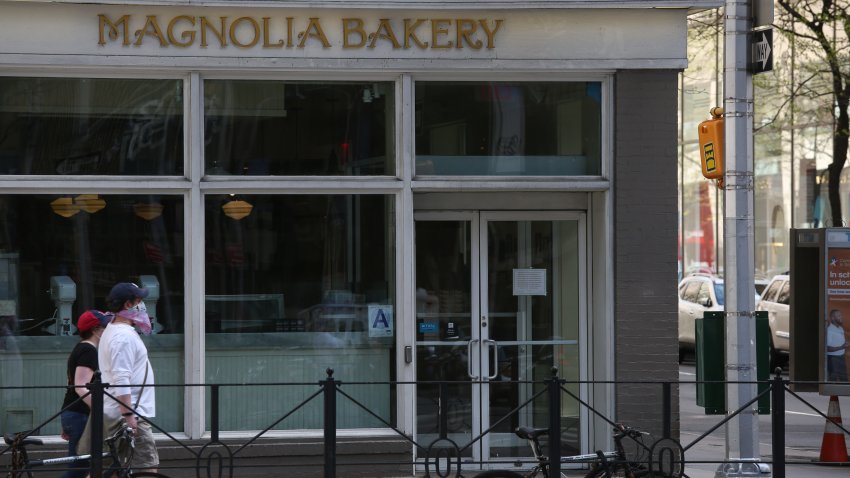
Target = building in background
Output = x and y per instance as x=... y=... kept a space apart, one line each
x=793 y=147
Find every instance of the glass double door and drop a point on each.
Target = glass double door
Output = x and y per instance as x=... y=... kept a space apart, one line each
x=500 y=300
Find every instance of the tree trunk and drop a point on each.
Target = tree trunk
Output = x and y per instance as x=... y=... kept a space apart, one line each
x=839 y=158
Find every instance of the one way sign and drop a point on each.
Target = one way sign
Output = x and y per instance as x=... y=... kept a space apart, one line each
x=762 y=51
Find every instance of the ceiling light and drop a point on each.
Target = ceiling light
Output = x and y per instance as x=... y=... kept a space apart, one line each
x=90 y=203
x=148 y=211
x=237 y=208
x=64 y=207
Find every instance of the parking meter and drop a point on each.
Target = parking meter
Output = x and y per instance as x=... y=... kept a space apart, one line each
x=63 y=292
x=152 y=285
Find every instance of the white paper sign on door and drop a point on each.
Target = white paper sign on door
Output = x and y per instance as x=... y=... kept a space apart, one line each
x=380 y=320
x=529 y=281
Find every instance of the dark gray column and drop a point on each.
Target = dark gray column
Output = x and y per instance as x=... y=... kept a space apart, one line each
x=645 y=234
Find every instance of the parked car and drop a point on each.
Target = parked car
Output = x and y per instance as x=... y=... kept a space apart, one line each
x=698 y=293
x=761 y=284
x=775 y=300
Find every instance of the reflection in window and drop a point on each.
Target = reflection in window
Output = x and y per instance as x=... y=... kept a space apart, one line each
x=508 y=129
x=76 y=248
x=298 y=128
x=295 y=285
x=62 y=126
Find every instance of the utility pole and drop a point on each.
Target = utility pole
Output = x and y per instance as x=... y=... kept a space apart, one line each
x=742 y=452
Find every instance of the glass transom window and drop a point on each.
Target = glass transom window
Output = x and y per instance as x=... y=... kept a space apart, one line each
x=508 y=129
x=91 y=126
x=259 y=128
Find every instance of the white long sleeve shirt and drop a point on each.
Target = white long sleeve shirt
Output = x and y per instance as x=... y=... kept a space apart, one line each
x=123 y=359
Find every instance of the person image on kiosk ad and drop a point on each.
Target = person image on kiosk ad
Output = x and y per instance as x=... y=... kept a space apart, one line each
x=836 y=345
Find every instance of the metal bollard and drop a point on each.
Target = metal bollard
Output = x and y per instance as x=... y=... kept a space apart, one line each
x=330 y=423
x=96 y=418
x=777 y=393
x=554 y=424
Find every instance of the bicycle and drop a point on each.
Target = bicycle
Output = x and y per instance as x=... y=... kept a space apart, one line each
x=120 y=445
x=664 y=459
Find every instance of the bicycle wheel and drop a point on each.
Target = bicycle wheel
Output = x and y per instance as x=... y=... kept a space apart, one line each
x=499 y=474
x=667 y=458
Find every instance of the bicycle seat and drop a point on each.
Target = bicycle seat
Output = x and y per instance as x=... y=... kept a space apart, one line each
x=529 y=433
x=10 y=439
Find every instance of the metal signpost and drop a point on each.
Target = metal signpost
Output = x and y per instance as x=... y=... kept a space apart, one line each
x=742 y=451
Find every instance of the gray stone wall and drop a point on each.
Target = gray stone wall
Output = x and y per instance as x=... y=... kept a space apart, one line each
x=645 y=231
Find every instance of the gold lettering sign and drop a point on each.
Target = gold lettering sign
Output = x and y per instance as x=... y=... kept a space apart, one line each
x=245 y=32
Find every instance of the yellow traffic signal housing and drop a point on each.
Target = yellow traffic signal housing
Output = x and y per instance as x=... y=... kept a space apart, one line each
x=711 y=145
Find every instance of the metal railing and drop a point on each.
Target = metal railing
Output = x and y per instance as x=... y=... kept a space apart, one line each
x=440 y=457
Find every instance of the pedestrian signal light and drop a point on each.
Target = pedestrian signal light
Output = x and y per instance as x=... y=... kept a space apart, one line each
x=711 y=145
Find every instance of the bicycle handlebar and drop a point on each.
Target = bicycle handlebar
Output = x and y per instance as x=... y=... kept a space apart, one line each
x=621 y=431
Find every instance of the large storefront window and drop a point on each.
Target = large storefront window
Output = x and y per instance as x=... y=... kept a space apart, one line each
x=296 y=284
x=76 y=248
x=508 y=129
x=299 y=128
x=72 y=126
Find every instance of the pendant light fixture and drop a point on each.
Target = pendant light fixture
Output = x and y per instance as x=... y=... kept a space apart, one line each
x=90 y=203
x=64 y=206
x=237 y=208
x=147 y=210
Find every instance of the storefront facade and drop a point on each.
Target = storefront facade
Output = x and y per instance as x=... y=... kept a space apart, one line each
x=468 y=191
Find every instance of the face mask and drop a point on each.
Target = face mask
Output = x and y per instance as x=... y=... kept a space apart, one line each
x=138 y=314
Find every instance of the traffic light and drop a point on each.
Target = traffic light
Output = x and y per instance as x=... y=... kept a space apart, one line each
x=711 y=145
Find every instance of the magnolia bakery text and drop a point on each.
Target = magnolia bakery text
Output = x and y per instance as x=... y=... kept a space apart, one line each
x=184 y=31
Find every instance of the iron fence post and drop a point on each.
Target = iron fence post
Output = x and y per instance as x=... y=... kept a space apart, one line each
x=667 y=404
x=330 y=423
x=777 y=392
x=214 y=413
x=554 y=424
x=96 y=388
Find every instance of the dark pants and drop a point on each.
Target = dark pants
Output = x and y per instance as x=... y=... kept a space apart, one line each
x=73 y=424
x=836 y=368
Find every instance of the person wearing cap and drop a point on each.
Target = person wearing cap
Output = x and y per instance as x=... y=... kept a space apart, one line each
x=124 y=364
x=82 y=363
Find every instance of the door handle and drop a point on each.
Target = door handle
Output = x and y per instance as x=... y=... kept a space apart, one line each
x=469 y=359
x=494 y=347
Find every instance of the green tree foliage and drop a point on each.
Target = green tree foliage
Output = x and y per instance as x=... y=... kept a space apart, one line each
x=819 y=31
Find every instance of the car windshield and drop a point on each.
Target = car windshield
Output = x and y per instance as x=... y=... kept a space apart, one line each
x=718 y=292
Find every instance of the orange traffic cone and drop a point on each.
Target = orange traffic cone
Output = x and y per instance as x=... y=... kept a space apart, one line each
x=833 y=448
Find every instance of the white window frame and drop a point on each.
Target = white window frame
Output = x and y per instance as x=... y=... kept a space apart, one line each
x=192 y=186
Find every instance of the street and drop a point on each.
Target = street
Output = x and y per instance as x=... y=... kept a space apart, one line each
x=803 y=432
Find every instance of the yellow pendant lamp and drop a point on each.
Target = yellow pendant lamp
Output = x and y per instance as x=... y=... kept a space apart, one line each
x=147 y=211
x=90 y=203
x=64 y=206
x=237 y=208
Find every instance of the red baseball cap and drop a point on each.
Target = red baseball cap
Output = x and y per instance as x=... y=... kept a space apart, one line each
x=91 y=319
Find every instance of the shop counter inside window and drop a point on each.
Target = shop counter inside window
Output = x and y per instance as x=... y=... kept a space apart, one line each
x=294 y=362
x=40 y=361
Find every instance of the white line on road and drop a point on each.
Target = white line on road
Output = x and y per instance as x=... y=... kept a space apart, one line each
x=801 y=413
